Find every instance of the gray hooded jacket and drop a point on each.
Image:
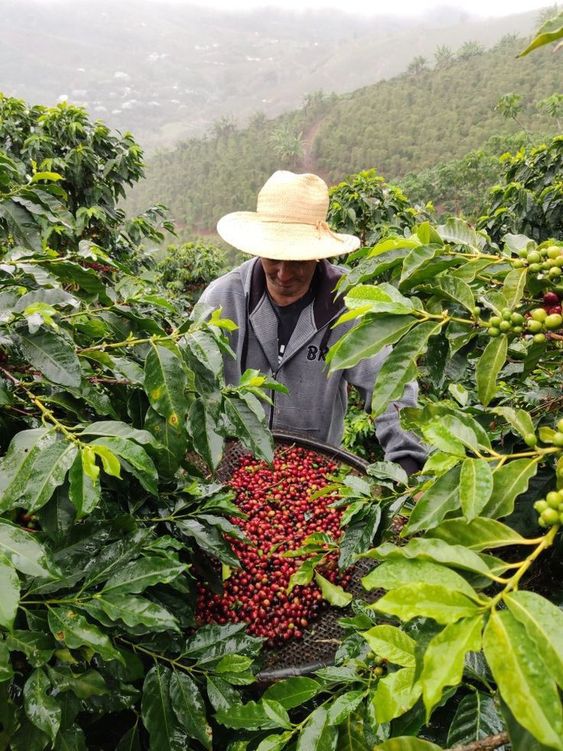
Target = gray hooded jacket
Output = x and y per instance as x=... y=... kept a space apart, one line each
x=316 y=403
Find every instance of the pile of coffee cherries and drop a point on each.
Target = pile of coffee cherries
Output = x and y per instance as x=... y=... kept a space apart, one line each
x=280 y=514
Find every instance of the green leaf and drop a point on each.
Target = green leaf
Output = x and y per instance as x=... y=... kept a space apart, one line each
x=135 y=612
x=395 y=694
x=6 y=669
x=488 y=367
x=343 y=706
x=277 y=713
x=120 y=430
x=71 y=739
x=522 y=678
x=37 y=646
x=475 y=718
x=518 y=418
x=249 y=716
x=317 y=734
x=109 y=460
x=221 y=695
x=550 y=31
x=392 y=644
x=427 y=600
x=333 y=593
x=24 y=552
x=48 y=471
x=135 y=460
x=475 y=486
x=433 y=550
x=189 y=708
x=249 y=429
x=367 y=339
x=458 y=232
x=441 y=498
x=509 y=481
x=136 y=576
x=165 y=384
x=406 y=743
x=513 y=286
x=203 y=429
x=84 y=491
x=397 y=369
x=9 y=594
x=17 y=464
x=41 y=708
x=172 y=438
x=205 y=351
x=157 y=713
x=83 y=685
x=543 y=622
x=358 y=534
x=292 y=692
x=444 y=658
x=479 y=534
x=52 y=355
x=452 y=288
x=210 y=539
x=416 y=259
x=233 y=664
x=396 y=573
x=274 y=742
x=72 y=629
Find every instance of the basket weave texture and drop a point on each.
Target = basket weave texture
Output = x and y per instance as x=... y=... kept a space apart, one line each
x=321 y=639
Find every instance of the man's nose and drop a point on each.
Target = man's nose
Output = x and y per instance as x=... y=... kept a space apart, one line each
x=285 y=272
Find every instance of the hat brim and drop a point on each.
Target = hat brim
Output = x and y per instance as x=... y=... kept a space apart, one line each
x=282 y=241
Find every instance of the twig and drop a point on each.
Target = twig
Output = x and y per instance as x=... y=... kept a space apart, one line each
x=485 y=744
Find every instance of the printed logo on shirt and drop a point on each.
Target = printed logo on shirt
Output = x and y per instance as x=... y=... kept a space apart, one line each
x=316 y=353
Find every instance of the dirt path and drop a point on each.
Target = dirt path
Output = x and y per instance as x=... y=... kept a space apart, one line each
x=309 y=137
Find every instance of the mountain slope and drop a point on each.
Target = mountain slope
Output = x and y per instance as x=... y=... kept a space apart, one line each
x=166 y=71
x=397 y=126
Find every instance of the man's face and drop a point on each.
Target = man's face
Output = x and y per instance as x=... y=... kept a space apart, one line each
x=287 y=281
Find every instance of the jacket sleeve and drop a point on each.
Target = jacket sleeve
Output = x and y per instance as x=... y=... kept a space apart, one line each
x=398 y=445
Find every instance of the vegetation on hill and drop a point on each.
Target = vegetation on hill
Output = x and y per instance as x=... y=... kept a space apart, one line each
x=400 y=126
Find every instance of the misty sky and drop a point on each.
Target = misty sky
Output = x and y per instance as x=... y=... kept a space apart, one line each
x=372 y=7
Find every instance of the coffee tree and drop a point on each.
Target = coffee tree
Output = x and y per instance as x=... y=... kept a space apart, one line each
x=109 y=395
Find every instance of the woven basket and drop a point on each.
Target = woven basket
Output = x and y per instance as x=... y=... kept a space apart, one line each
x=321 y=639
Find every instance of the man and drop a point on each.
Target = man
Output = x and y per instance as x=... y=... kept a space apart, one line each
x=284 y=304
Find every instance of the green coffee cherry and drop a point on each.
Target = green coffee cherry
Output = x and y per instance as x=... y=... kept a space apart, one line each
x=530 y=439
x=533 y=326
x=539 y=338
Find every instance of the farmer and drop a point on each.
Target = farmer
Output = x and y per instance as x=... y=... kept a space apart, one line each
x=284 y=304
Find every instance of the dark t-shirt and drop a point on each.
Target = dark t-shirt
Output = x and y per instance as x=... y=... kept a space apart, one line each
x=287 y=316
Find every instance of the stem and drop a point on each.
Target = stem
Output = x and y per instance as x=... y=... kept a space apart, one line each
x=132 y=342
x=485 y=744
x=545 y=542
x=45 y=411
x=158 y=657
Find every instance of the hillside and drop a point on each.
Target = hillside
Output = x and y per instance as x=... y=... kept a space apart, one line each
x=169 y=71
x=398 y=126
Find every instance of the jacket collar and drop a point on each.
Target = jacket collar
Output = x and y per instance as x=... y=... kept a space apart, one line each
x=326 y=305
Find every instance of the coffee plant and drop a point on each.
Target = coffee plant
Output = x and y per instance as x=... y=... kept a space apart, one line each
x=110 y=399
x=113 y=525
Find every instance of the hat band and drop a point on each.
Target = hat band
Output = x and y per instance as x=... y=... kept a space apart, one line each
x=320 y=225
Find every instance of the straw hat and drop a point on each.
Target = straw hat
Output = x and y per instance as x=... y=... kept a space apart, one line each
x=289 y=223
